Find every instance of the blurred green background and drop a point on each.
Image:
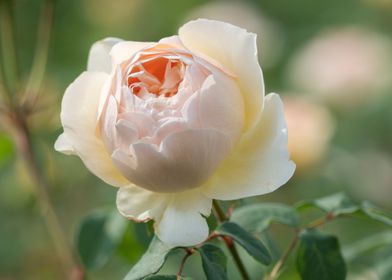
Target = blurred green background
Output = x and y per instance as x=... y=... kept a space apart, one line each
x=330 y=60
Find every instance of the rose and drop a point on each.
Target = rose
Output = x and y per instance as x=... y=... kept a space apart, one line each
x=176 y=124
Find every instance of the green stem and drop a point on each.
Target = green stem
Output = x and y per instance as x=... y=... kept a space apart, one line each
x=280 y=263
x=8 y=57
x=220 y=214
x=38 y=68
x=189 y=252
x=64 y=250
x=221 y=217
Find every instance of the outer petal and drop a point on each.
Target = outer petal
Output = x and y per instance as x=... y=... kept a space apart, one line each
x=178 y=218
x=99 y=59
x=182 y=223
x=63 y=145
x=79 y=117
x=184 y=160
x=235 y=49
x=260 y=163
x=124 y=50
x=139 y=204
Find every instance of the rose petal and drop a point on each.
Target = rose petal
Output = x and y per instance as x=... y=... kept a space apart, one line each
x=184 y=160
x=170 y=126
x=260 y=164
x=235 y=49
x=124 y=50
x=139 y=204
x=173 y=41
x=178 y=217
x=218 y=105
x=63 y=145
x=98 y=58
x=79 y=117
x=182 y=223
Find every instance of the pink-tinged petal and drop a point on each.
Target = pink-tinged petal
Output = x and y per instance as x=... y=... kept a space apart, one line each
x=126 y=133
x=173 y=41
x=218 y=105
x=143 y=122
x=182 y=222
x=126 y=49
x=185 y=160
x=79 y=118
x=99 y=59
x=260 y=163
x=235 y=49
x=139 y=204
x=171 y=126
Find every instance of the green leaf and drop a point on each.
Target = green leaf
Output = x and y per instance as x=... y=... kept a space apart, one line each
x=162 y=277
x=214 y=262
x=152 y=260
x=384 y=268
x=376 y=213
x=250 y=243
x=257 y=217
x=98 y=237
x=364 y=248
x=6 y=149
x=130 y=247
x=336 y=204
x=319 y=257
x=340 y=204
x=166 y=277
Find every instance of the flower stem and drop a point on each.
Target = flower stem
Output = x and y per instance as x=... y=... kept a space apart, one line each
x=189 y=252
x=221 y=217
x=64 y=250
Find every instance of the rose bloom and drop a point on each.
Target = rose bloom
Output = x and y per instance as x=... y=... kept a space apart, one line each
x=177 y=123
x=311 y=128
x=343 y=65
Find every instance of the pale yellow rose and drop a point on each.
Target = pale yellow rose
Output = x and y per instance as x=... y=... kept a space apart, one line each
x=177 y=123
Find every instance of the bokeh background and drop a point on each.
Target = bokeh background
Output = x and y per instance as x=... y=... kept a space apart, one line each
x=331 y=61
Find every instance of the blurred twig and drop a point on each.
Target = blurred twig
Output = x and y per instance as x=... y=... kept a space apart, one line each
x=8 y=58
x=38 y=68
x=25 y=148
x=18 y=112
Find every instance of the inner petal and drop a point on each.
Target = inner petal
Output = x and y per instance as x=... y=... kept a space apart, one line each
x=159 y=75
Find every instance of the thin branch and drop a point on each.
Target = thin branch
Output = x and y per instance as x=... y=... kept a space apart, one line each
x=280 y=263
x=189 y=252
x=8 y=58
x=322 y=221
x=221 y=217
x=64 y=250
x=38 y=68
